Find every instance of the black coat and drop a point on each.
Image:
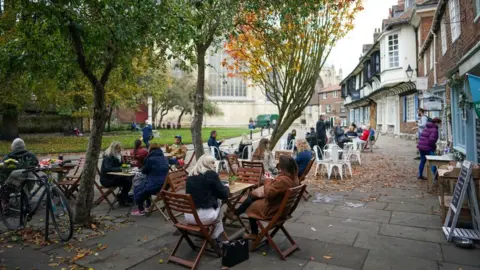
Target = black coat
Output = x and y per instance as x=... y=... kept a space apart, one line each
x=109 y=164
x=206 y=189
x=322 y=127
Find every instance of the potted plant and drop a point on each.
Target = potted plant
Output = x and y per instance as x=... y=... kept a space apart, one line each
x=125 y=168
x=231 y=179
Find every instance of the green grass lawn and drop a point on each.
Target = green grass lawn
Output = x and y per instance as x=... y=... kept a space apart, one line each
x=39 y=144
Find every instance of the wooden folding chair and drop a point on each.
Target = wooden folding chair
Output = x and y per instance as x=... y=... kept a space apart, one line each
x=106 y=193
x=287 y=207
x=187 y=164
x=183 y=203
x=71 y=182
x=233 y=163
x=249 y=175
x=302 y=177
x=175 y=182
x=372 y=143
x=253 y=164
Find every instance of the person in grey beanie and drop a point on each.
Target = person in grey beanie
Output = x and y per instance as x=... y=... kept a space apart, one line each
x=20 y=154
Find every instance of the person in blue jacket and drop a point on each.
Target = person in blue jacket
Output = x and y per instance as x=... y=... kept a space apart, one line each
x=304 y=155
x=155 y=169
x=212 y=141
x=147 y=132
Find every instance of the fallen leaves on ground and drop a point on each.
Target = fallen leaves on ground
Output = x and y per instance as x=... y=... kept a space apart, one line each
x=378 y=170
x=327 y=257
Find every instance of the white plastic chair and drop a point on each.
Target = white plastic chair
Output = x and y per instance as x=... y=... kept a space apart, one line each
x=218 y=162
x=324 y=162
x=347 y=154
x=335 y=161
x=356 y=152
x=291 y=145
x=249 y=149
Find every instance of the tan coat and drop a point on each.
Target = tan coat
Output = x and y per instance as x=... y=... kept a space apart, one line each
x=267 y=208
x=178 y=151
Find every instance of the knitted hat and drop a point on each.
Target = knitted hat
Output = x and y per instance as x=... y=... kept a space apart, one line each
x=18 y=144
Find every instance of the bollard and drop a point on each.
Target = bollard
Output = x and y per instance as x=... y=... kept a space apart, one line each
x=261 y=132
x=251 y=134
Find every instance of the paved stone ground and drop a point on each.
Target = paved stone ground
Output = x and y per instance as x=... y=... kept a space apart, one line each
x=379 y=224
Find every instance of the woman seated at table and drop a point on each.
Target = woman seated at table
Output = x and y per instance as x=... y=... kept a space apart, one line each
x=112 y=162
x=362 y=140
x=207 y=193
x=274 y=189
x=155 y=171
x=139 y=154
x=304 y=155
x=263 y=153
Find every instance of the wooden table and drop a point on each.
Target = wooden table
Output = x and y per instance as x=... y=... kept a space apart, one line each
x=127 y=174
x=237 y=191
x=436 y=161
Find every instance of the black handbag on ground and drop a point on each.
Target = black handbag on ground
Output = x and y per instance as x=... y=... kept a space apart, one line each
x=234 y=252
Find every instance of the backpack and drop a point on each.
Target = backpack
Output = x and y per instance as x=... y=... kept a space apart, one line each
x=429 y=119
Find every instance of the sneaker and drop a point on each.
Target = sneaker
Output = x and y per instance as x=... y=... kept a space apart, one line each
x=416 y=158
x=421 y=178
x=137 y=213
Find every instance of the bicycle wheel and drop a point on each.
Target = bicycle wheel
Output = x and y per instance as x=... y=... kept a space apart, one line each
x=61 y=214
x=10 y=206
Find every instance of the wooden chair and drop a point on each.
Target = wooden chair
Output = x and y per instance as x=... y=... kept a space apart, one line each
x=287 y=207
x=306 y=194
x=233 y=163
x=372 y=143
x=106 y=193
x=175 y=182
x=71 y=183
x=253 y=164
x=187 y=164
x=183 y=203
x=249 y=175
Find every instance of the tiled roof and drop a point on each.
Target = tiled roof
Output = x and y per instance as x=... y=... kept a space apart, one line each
x=404 y=18
x=330 y=89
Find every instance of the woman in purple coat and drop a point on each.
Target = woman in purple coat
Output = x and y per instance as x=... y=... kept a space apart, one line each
x=427 y=144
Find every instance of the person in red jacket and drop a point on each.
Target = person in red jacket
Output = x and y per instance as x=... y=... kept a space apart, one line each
x=139 y=154
x=362 y=140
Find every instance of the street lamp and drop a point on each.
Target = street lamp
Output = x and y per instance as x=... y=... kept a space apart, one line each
x=409 y=72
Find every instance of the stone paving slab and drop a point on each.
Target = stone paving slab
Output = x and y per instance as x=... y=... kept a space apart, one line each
x=451 y=266
x=454 y=254
x=378 y=260
x=361 y=214
x=324 y=223
x=25 y=258
x=416 y=220
x=396 y=245
x=331 y=234
x=410 y=208
x=315 y=209
x=339 y=255
x=414 y=233
x=322 y=266
x=376 y=205
x=120 y=259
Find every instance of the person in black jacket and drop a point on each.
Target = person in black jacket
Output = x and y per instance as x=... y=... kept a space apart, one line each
x=25 y=160
x=322 y=127
x=212 y=141
x=207 y=192
x=112 y=162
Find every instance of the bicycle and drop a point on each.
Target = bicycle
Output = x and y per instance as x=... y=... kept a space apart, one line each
x=16 y=208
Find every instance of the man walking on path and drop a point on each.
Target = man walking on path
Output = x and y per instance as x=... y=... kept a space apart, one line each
x=147 y=133
x=322 y=127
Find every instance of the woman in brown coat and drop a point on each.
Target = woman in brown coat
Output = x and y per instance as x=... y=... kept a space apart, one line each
x=274 y=190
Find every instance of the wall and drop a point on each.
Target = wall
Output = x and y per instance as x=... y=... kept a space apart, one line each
x=407 y=55
x=47 y=123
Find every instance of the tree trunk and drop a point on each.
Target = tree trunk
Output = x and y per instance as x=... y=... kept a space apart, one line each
x=280 y=129
x=180 y=116
x=162 y=114
x=86 y=192
x=9 y=129
x=199 y=98
x=109 y=118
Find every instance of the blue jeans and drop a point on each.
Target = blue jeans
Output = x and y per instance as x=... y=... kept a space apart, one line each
x=423 y=161
x=172 y=161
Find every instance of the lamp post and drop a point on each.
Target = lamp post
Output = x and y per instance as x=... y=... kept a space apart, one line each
x=409 y=72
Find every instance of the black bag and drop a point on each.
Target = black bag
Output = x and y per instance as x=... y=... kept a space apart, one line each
x=234 y=252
